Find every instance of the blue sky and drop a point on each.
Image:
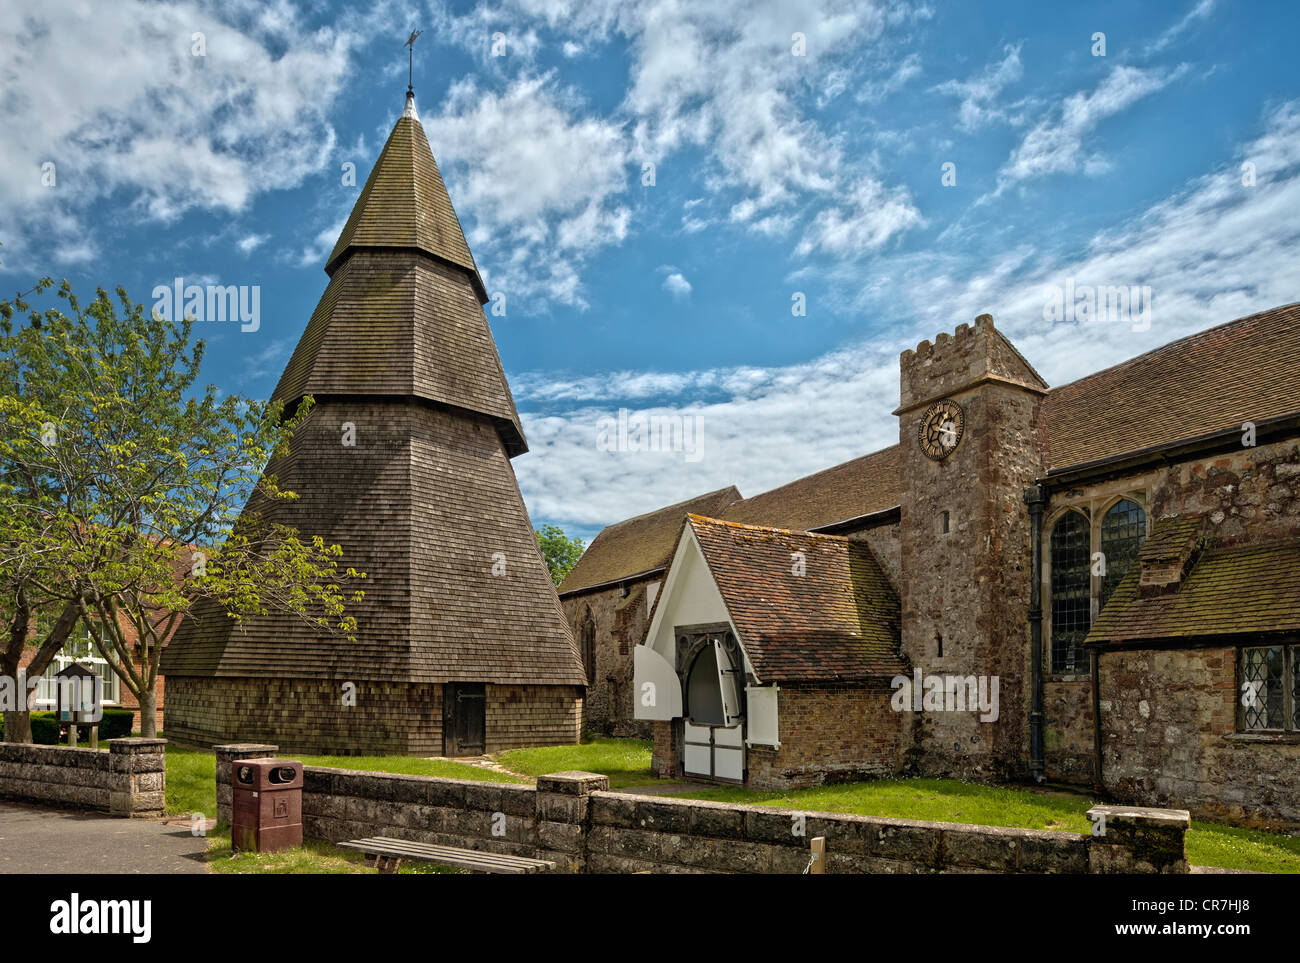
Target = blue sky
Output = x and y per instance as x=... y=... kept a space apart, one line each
x=776 y=174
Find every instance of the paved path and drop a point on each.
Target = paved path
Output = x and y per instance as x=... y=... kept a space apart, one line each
x=34 y=839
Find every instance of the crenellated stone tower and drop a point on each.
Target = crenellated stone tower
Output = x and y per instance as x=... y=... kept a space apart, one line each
x=968 y=411
x=405 y=462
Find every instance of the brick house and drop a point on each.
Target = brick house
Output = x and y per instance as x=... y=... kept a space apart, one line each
x=1119 y=553
x=116 y=694
x=769 y=655
x=405 y=461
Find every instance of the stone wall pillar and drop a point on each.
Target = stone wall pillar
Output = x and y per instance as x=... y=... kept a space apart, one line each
x=225 y=756
x=137 y=777
x=564 y=811
x=1128 y=839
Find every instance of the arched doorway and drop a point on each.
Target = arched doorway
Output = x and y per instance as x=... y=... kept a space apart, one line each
x=713 y=725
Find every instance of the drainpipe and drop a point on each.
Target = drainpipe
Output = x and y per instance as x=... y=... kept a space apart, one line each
x=1098 y=785
x=1036 y=500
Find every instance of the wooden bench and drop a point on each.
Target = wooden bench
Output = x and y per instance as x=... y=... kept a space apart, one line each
x=387 y=854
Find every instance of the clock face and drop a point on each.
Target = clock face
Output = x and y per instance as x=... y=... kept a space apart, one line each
x=941 y=429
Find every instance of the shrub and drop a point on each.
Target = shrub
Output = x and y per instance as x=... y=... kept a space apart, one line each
x=48 y=731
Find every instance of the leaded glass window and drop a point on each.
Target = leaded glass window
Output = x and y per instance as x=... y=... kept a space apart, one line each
x=1122 y=529
x=1270 y=688
x=1295 y=687
x=1071 y=592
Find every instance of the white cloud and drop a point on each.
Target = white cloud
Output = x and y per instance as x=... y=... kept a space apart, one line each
x=874 y=91
x=676 y=285
x=145 y=120
x=865 y=223
x=720 y=77
x=251 y=242
x=1056 y=145
x=980 y=93
x=1200 y=12
x=1213 y=251
x=315 y=253
x=540 y=181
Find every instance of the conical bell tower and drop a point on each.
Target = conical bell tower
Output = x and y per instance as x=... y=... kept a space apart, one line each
x=404 y=461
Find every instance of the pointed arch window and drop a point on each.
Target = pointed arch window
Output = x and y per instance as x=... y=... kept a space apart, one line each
x=1123 y=528
x=1071 y=592
x=587 y=639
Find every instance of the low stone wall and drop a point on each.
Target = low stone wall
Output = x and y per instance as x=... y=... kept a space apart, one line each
x=546 y=822
x=572 y=819
x=126 y=779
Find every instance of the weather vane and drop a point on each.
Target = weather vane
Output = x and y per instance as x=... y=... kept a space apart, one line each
x=410 y=64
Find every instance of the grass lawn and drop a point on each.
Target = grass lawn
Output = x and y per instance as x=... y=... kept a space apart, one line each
x=409 y=766
x=625 y=761
x=313 y=859
x=947 y=800
x=191 y=781
x=192 y=774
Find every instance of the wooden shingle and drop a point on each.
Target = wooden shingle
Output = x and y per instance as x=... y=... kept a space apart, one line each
x=425 y=502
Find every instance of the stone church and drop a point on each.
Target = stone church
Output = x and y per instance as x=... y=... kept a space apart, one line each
x=1097 y=583
x=404 y=461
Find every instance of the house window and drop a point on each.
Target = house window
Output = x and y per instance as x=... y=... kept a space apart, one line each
x=1269 y=688
x=47 y=687
x=1122 y=529
x=1071 y=592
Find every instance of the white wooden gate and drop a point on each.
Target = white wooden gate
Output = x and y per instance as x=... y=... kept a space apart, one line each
x=715 y=752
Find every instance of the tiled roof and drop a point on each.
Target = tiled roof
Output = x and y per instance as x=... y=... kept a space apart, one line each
x=640 y=544
x=1233 y=591
x=1237 y=372
x=839 y=621
x=405 y=204
x=858 y=487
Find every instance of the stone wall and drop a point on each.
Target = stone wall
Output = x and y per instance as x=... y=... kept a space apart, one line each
x=308 y=715
x=1067 y=727
x=885 y=545
x=965 y=592
x=620 y=623
x=1250 y=495
x=829 y=734
x=126 y=779
x=571 y=819
x=1169 y=736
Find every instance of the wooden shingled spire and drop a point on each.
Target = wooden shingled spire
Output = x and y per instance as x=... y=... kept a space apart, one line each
x=425 y=501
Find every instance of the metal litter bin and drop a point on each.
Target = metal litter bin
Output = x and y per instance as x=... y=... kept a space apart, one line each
x=267 y=804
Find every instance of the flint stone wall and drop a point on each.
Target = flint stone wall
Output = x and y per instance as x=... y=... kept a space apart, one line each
x=572 y=819
x=126 y=779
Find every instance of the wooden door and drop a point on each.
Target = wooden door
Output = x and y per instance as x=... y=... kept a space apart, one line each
x=464 y=719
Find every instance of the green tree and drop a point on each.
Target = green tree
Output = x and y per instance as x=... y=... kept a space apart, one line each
x=121 y=485
x=38 y=605
x=560 y=552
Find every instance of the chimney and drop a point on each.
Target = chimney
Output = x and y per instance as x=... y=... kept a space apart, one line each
x=1168 y=555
